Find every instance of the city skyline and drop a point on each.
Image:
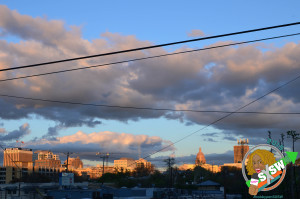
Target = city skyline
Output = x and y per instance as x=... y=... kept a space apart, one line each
x=221 y=79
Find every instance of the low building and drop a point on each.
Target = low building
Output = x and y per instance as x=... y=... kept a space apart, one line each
x=211 y=168
x=94 y=172
x=74 y=163
x=124 y=164
x=142 y=163
x=9 y=174
x=185 y=167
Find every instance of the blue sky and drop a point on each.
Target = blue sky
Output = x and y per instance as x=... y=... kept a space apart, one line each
x=157 y=22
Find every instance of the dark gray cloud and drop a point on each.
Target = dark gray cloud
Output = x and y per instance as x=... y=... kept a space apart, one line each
x=16 y=134
x=209 y=140
x=210 y=134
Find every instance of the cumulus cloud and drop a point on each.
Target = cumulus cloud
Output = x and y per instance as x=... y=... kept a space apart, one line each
x=196 y=33
x=219 y=79
x=16 y=134
x=120 y=144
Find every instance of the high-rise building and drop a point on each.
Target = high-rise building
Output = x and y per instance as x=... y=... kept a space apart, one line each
x=240 y=150
x=18 y=157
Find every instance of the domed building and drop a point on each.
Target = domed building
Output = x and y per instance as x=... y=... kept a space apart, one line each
x=200 y=159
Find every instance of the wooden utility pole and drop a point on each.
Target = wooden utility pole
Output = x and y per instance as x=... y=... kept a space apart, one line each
x=295 y=137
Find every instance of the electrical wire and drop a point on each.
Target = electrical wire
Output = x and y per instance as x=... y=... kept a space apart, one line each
x=150 y=57
x=221 y=118
x=148 y=108
x=154 y=46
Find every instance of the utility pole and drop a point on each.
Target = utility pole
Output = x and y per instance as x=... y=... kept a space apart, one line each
x=269 y=132
x=103 y=156
x=282 y=141
x=68 y=154
x=295 y=137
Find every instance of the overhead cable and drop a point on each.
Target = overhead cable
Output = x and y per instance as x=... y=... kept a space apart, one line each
x=148 y=108
x=153 y=46
x=150 y=57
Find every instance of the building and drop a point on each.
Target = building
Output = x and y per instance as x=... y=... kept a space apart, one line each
x=185 y=167
x=8 y=174
x=46 y=159
x=74 y=163
x=18 y=157
x=240 y=150
x=142 y=163
x=44 y=155
x=94 y=172
x=237 y=165
x=211 y=168
x=200 y=158
x=47 y=163
x=124 y=164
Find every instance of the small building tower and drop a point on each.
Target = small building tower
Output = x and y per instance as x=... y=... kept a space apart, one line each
x=240 y=150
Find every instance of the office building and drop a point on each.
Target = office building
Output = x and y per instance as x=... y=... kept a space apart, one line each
x=18 y=157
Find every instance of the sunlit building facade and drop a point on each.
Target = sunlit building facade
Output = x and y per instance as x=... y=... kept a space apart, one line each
x=124 y=164
x=18 y=157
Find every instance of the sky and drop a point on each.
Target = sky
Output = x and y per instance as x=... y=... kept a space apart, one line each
x=222 y=79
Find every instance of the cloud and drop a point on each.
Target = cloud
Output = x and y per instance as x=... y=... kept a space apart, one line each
x=16 y=134
x=119 y=144
x=209 y=140
x=210 y=134
x=196 y=33
x=219 y=79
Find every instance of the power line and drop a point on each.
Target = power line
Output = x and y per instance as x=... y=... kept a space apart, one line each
x=221 y=118
x=150 y=57
x=149 y=108
x=153 y=46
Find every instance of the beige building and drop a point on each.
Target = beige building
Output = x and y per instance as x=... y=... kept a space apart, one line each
x=142 y=163
x=46 y=159
x=74 y=163
x=94 y=172
x=18 y=156
x=44 y=155
x=124 y=164
x=8 y=174
x=185 y=167
x=211 y=168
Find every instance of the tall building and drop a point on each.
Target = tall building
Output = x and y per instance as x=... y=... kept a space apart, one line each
x=74 y=163
x=240 y=150
x=200 y=158
x=125 y=164
x=17 y=156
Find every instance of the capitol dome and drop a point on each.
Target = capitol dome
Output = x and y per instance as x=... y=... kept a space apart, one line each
x=200 y=159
